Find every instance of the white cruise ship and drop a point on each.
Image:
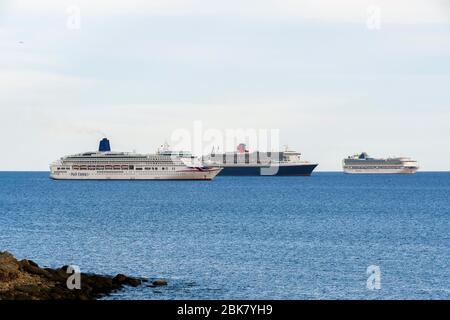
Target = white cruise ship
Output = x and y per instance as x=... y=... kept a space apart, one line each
x=362 y=163
x=105 y=164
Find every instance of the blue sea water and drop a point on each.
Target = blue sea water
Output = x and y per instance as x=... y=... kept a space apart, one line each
x=240 y=237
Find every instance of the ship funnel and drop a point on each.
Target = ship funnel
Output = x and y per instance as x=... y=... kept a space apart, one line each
x=363 y=156
x=104 y=145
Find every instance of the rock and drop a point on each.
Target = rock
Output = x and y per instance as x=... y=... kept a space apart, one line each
x=62 y=273
x=98 y=284
x=34 y=264
x=159 y=282
x=64 y=268
x=58 y=293
x=31 y=267
x=9 y=267
x=31 y=290
x=16 y=296
x=25 y=280
x=122 y=279
x=56 y=275
x=29 y=262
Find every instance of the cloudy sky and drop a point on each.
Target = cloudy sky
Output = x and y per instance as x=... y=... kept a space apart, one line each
x=335 y=77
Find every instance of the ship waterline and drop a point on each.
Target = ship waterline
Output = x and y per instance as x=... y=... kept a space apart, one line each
x=107 y=165
x=380 y=170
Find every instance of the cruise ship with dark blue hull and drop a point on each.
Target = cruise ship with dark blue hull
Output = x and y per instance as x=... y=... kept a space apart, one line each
x=244 y=163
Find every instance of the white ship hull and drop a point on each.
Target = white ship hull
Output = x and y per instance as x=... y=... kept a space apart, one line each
x=191 y=174
x=381 y=171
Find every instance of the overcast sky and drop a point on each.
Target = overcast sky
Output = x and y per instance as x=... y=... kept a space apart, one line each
x=335 y=77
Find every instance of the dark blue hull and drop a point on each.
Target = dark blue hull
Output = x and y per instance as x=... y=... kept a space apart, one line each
x=300 y=170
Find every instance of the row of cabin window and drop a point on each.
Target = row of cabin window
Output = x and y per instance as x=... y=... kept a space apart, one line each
x=99 y=163
x=153 y=168
x=121 y=168
x=374 y=167
x=120 y=160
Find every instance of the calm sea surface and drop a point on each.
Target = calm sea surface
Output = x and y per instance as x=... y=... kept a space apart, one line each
x=240 y=237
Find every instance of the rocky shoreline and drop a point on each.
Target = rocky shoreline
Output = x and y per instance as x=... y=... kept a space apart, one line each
x=25 y=280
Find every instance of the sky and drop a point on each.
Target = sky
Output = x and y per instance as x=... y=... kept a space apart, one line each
x=333 y=77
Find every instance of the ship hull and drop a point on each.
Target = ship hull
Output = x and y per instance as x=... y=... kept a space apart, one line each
x=209 y=174
x=283 y=170
x=381 y=171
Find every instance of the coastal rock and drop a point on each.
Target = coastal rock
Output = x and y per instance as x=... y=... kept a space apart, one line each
x=98 y=285
x=55 y=275
x=122 y=279
x=28 y=289
x=25 y=280
x=159 y=282
x=9 y=267
x=33 y=268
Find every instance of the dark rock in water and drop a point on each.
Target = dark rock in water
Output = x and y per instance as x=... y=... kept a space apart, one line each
x=98 y=285
x=122 y=279
x=159 y=282
x=25 y=280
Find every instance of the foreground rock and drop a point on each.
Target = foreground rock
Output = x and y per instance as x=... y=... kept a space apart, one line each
x=159 y=282
x=25 y=280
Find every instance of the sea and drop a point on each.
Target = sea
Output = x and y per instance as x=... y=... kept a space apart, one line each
x=328 y=236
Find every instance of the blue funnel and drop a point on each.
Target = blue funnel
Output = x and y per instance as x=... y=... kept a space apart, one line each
x=104 y=145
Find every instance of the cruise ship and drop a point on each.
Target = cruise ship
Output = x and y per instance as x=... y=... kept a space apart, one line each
x=245 y=163
x=105 y=164
x=362 y=163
